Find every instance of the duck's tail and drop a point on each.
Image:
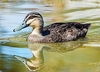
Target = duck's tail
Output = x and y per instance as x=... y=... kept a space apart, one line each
x=86 y=25
x=85 y=28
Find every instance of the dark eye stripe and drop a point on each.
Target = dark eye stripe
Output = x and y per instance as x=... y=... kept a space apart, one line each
x=30 y=17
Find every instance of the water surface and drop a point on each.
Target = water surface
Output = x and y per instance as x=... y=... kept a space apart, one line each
x=78 y=56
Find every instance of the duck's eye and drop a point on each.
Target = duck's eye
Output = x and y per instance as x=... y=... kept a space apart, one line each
x=30 y=17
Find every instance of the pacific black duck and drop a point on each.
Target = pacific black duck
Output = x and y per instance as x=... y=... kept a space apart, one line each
x=56 y=32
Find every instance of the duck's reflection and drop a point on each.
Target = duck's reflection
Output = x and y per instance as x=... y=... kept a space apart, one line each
x=36 y=62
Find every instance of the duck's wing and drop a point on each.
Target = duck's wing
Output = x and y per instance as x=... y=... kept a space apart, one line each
x=78 y=25
x=58 y=32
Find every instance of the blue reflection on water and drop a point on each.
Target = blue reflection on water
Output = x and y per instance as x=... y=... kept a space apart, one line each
x=24 y=52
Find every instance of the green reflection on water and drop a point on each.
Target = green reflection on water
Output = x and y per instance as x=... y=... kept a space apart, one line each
x=9 y=64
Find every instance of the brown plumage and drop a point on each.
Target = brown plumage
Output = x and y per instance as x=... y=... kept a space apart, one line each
x=61 y=32
x=56 y=32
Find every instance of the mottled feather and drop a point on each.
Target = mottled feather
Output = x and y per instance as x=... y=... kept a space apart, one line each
x=62 y=32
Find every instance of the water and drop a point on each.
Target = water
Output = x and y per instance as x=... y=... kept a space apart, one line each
x=78 y=56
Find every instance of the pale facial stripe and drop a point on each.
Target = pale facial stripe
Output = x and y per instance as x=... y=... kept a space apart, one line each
x=29 y=21
x=27 y=18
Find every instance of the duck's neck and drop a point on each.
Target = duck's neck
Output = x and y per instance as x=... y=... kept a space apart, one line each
x=37 y=31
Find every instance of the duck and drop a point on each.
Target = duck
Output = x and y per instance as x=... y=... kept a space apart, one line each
x=53 y=33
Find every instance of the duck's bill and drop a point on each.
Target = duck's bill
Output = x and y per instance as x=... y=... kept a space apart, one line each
x=20 y=27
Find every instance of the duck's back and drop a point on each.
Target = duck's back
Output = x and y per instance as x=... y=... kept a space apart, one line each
x=62 y=32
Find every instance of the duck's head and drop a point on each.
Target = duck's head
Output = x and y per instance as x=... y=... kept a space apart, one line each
x=33 y=19
x=31 y=64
